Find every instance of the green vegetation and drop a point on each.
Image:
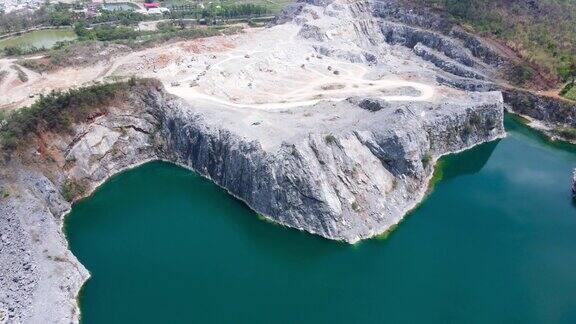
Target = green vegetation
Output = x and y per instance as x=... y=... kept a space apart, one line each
x=437 y=175
x=13 y=50
x=119 y=25
x=330 y=139
x=73 y=189
x=356 y=207
x=48 y=15
x=60 y=15
x=22 y=76
x=147 y=38
x=104 y=33
x=26 y=50
x=386 y=234
x=520 y=119
x=427 y=159
x=67 y=53
x=128 y=36
x=543 y=32
x=217 y=11
x=4 y=193
x=265 y=219
x=566 y=132
x=569 y=91
x=58 y=111
x=467 y=130
x=521 y=74
x=121 y=17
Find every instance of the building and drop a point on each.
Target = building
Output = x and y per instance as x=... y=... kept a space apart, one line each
x=151 y=5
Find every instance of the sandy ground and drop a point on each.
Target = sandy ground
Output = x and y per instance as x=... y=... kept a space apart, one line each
x=270 y=68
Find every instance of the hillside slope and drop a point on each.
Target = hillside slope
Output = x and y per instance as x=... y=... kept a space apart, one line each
x=540 y=32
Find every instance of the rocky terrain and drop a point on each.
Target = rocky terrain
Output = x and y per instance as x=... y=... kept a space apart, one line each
x=574 y=184
x=329 y=121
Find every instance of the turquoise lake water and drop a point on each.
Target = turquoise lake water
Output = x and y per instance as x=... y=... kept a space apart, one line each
x=495 y=242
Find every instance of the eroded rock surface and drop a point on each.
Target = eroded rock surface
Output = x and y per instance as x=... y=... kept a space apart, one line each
x=574 y=183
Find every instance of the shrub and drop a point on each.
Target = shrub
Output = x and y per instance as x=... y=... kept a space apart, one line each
x=569 y=91
x=475 y=119
x=330 y=139
x=13 y=50
x=356 y=207
x=73 y=189
x=427 y=159
x=521 y=74
x=566 y=132
x=468 y=129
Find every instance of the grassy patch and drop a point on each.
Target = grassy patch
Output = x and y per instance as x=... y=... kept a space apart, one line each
x=569 y=91
x=437 y=175
x=519 y=119
x=266 y=219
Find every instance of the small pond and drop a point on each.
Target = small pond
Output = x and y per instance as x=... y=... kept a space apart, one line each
x=39 y=38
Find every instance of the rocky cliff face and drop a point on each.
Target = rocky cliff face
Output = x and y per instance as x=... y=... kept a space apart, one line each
x=550 y=110
x=347 y=184
x=574 y=184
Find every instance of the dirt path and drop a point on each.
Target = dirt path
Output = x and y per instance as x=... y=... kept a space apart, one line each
x=279 y=71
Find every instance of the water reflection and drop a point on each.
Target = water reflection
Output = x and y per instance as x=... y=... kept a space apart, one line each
x=467 y=162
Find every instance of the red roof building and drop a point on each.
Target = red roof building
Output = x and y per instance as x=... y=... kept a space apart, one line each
x=151 y=5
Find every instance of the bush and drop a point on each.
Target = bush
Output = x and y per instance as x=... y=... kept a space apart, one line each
x=427 y=159
x=104 y=33
x=4 y=193
x=330 y=139
x=569 y=91
x=468 y=130
x=73 y=189
x=521 y=74
x=566 y=132
x=13 y=50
